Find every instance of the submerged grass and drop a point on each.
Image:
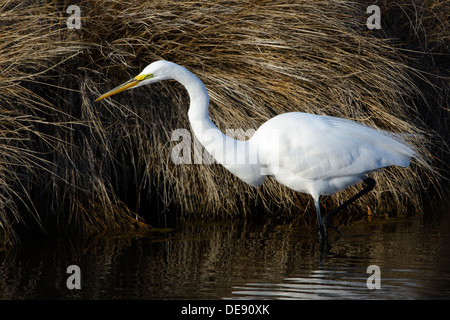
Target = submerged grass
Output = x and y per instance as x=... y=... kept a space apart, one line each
x=70 y=164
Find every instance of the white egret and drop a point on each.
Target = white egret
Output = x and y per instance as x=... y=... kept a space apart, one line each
x=308 y=153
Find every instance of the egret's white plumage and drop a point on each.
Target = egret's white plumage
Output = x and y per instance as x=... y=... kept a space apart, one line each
x=308 y=153
x=321 y=155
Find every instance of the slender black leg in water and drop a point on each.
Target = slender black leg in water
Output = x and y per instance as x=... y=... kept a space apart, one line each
x=322 y=227
x=370 y=183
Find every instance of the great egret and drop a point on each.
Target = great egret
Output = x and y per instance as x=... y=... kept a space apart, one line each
x=308 y=153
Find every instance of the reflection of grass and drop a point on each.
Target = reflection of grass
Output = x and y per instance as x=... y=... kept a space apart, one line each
x=206 y=261
x=70 y=164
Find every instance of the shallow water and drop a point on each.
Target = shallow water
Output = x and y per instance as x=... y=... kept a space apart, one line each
x=237 y=260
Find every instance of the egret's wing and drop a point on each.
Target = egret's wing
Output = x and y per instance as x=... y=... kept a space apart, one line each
x=319 y=147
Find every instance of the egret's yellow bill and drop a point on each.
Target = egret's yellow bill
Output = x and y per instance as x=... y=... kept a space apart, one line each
x=124 y=86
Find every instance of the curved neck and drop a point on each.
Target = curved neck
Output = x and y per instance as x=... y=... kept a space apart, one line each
x=238 y=156
x=199 y=102
x=212 y=139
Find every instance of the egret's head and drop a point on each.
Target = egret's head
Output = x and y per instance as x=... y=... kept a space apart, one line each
x=154 y=72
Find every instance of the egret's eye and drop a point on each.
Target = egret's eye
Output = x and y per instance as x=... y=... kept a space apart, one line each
x=144 y=77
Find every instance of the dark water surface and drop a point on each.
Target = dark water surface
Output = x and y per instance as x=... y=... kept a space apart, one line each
x=237 y=260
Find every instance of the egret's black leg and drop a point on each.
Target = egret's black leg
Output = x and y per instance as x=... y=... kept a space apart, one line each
x=370 y=184
x=322 y=227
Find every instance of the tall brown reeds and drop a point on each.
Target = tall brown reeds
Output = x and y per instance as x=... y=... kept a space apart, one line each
x=70 y=164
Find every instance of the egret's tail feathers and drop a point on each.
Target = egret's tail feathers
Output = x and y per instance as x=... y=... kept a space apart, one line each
x=400 y=149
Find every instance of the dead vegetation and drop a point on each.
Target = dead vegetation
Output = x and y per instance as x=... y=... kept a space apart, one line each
x=70 y=164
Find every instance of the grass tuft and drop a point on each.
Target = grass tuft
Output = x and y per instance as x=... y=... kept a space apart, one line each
x=70 y=164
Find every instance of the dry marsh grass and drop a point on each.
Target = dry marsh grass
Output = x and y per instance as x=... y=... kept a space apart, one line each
x=70 y=164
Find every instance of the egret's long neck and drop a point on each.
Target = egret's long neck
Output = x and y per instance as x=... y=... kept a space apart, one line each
x=212 y=139
x=199 y=102
x=235 y=155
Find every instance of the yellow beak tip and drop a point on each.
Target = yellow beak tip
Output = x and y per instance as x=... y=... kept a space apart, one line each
x=100 y=98
x=127 y=85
